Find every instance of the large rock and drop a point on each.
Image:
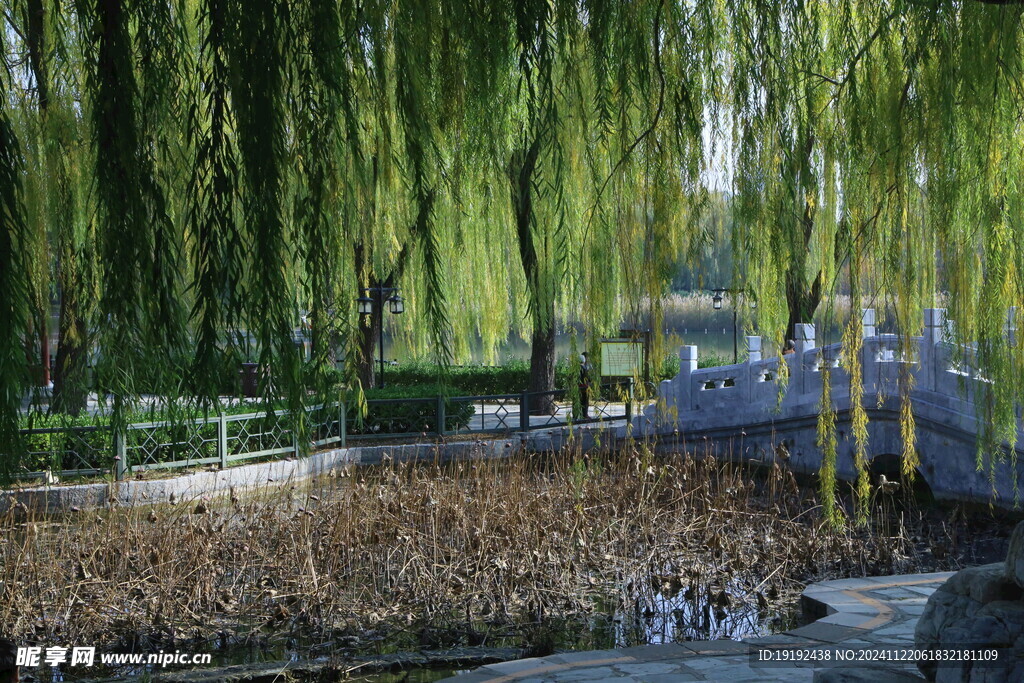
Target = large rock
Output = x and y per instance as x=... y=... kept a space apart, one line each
x=983 y=584
x=978 y=607
x=1015 y=556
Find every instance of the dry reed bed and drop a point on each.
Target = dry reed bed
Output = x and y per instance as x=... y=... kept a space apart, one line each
x=401 y=546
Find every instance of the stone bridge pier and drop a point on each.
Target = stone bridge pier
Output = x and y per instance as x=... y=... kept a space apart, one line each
x=744 y=411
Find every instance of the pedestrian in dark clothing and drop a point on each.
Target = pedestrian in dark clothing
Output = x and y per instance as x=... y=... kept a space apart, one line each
x=585 y=369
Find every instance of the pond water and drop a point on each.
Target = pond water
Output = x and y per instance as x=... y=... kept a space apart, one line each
x=710 y=340
x=671 y=614
x=657 y=614
x=714 y=341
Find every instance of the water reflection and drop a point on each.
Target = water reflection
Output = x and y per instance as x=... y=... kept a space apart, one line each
x=674 y=614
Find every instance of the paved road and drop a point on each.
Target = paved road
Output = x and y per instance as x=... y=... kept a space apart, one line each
x=506 y=416
x=866 y=617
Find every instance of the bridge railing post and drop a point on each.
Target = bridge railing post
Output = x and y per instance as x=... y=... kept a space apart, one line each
x=687 y=366
x=934 y=331
x=806 y=340
x=754 y=376
x=1011 y=325
x=867 y=322
x=753 y=349
x=869 y=368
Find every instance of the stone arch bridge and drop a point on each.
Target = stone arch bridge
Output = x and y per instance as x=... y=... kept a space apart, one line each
x=737 y=412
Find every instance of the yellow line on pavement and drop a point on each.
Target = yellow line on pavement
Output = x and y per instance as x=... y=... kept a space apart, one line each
x=558 y=667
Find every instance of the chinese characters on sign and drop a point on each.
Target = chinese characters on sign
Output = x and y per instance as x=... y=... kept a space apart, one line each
x=621 y=358
x=30 y=657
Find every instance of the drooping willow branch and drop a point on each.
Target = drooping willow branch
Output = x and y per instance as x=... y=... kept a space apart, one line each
x=225 y=160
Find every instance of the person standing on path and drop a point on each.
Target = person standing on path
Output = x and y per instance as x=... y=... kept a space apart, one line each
x=585 y=369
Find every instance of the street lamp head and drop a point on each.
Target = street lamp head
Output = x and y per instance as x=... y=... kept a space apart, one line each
x=365 y=305
x=397 y=304
x=716 y=300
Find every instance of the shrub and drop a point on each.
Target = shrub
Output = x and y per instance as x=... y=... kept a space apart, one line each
x=60 y=442
x=464 y=380
x=77 y=444
x=710 y=360
x=511 y=377
x=86 y=442
x=401 y=410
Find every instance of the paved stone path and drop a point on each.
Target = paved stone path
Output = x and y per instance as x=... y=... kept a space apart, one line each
x=860 y=618
x=489 y=415
x=506 y=415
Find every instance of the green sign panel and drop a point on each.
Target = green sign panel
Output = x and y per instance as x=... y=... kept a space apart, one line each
x=622 y=358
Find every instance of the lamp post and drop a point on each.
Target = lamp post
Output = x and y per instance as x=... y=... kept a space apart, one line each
x=396 y=306
x=716 y=302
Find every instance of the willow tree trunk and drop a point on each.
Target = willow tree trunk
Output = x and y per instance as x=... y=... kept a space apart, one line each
x=35 y=32
x=369 y=335
x=542 y=362
x=803 y=296
x=542 y=354
x=44 y=349
x=69 y=376
x=802 y=301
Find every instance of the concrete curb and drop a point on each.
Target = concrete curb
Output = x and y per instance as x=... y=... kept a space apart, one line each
x=130 y=492
x=55 y=499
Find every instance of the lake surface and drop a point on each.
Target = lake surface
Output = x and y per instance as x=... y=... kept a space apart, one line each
x=713 y=341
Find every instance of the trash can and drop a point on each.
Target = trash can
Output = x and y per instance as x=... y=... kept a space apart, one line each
x=250 y=380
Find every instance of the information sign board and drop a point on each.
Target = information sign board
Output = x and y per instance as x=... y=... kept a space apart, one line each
x=622 y=358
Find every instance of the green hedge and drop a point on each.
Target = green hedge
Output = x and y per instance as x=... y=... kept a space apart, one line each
x=69 y=447
x=463 y=380
x=409 y=416
x=709 y=360
x=409 y=380
x=511 y=377
x=93 y=448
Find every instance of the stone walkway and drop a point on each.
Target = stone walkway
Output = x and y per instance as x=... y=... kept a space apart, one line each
x=861 y=619
x=506 y=415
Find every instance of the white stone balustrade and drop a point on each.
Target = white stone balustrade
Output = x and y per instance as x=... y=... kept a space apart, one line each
x=730 y=399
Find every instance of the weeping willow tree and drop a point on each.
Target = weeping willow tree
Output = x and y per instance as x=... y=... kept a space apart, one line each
x=877 y=143
x=189 y=177
x=14 y=291
x=57 y=153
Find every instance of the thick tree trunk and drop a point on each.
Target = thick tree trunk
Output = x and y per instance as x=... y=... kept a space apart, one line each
x=30 y=351
x=542 y=354
x=542 y=362
x=35 y=15
x=37 y=350
x=44 y=348
x=369 y=331
x=69 y=376
x=802 y=297
x=69 y=381
x=322 y=335
x=802 y=302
